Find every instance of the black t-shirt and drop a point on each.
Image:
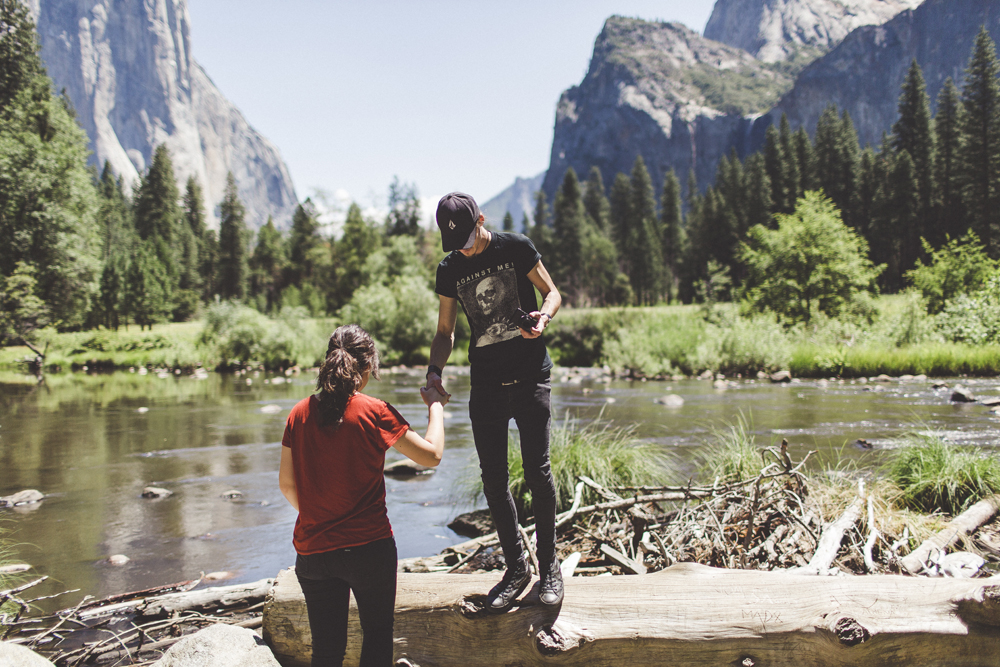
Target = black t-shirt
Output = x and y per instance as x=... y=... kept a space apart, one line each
x=491 y=286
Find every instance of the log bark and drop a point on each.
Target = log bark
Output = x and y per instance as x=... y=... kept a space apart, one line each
x=964 y=524
x=685 y=615
x=206 y=598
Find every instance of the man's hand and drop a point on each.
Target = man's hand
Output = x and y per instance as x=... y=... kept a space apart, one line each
x=433 y=395
x=541 y=321
x=434 y=382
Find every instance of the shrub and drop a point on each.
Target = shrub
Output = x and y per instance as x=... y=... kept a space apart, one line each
x=958 y=267
x=934 y=475
x=401 y=316
x=235 y=334
x=973 y=318
x=812 y=263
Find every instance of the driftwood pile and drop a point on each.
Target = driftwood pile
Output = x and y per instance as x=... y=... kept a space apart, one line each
x=131 y=629
x=764 y=523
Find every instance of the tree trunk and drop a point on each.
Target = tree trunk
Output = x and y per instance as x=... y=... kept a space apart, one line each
x=685 y=615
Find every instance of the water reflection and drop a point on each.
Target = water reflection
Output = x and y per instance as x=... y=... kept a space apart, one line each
x=92 y=442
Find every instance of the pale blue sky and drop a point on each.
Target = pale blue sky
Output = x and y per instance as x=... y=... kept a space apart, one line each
x=445 y=94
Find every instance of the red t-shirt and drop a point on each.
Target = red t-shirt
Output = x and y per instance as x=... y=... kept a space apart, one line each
x=339 y=472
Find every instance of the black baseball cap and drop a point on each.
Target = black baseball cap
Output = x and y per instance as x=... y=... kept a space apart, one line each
x=457 y=215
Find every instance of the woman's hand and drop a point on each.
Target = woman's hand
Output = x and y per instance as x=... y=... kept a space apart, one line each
x=432 y=395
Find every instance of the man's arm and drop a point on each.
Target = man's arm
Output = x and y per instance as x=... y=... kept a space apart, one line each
x=551 y=300
x=444 y=341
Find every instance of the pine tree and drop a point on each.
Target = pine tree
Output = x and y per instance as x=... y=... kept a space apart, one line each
x=359 y=240
x=620 y=216
x=913 y=132
x=508 y=222
x=774 y=166
x=979 y=125
x=113 y=215
x=112 y=295
x=158 y=214
x=568 y=230
x=193 y=261
x=643 y=245
x=952 y=220
x=232 y=244
x=790 y=164
x=404 y=209
x=673 y=236
x=596 y=202
x=837 y=159
x=147 y=287
x=525 y=223
x=266 y=267
x=305 y=245
x=805 y=159
x=758 y=198
x=906 y=208
x=541 y=231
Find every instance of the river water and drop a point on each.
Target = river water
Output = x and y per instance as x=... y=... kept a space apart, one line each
x=92 y=442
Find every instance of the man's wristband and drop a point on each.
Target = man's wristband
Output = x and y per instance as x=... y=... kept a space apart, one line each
x=545 y=315
x=433 y=369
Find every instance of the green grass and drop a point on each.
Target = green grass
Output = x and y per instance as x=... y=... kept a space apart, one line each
x=934 y=475
x=732 y=455
x=609 y=454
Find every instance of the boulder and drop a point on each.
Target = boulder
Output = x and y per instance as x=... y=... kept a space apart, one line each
x=991 y=402
x=406 y=468
x=26 y=497
x=473 y=524
x=670 y=401
x=233 y=494
x=14 y=568
x=15 y=655
x=961 y=394
x=781 y=376
x=882 y=378
x=706 y=375
x=156 y=492
x=219 y=645
x=720 y=384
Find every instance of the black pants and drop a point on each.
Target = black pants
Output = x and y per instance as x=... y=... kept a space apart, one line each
x=491 y=408
x=328 y=578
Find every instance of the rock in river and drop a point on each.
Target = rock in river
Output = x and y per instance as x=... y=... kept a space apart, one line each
x=670 y=400
x=156 y=492
x=961 y=394
x=26 y=497
x=219 y=644
x=406 y=468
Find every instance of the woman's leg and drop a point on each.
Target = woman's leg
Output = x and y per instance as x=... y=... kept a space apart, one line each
x=533 y=416
x=372 y=575
x=327 y=604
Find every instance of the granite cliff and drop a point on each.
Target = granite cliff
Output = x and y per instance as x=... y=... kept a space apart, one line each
x=663 y=91
x=127 y=68
x=783 y=30
x=864 y=73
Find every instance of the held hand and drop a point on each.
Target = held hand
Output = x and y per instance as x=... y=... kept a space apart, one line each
x=434 y=382
x=540 y=324
x=431 y=395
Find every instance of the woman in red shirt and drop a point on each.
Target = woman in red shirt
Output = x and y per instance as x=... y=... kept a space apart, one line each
x=332 y=463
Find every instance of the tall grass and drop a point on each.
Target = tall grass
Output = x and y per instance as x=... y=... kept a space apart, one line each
x=611 y=455
x=934 y=475
x=732 y=453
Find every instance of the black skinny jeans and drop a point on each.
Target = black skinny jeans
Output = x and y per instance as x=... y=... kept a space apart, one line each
x=490 y=409
x=328 y=578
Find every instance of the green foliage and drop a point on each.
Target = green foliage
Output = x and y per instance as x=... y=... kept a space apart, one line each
x=961 y=266
x=647 y=343
x=147 y=288
x=404 y=209
x=973 y=318
x=812 y=263
x=740 y=91
x=610 y=455
x=934 y=475
x=568 y=227
x=21 y=312
x=158 y=215
x=267 y=265
x=736 y=344
x=233 y=241
x=733 y=454
x=236 y=335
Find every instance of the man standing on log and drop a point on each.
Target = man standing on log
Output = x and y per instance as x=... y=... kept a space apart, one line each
x=494 y=275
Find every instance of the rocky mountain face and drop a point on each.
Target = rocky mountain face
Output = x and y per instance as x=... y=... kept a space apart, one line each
x=127 y=68
x=864 y=73
x=518 y=200
x=789 y=30
x=662 y=91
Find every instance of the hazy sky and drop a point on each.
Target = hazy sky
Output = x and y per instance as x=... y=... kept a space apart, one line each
x=447 y=95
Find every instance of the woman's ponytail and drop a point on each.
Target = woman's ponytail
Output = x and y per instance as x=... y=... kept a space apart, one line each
x=350 y=353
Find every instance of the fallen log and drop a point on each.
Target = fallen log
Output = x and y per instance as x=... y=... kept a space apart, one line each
x=961 y=526
x=685 y=615
x=171 y=603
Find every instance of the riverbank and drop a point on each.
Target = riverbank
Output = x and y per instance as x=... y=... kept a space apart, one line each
x=652 y=342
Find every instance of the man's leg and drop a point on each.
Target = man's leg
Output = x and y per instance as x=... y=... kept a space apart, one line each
x=371 y=571
x=490 y=416
x=327 y=605
x=533 y=415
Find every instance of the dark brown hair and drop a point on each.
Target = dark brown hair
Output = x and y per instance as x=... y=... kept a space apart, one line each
x=350 y=353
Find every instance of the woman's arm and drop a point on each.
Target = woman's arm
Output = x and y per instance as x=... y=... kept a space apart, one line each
x=286 y=478
x=426 y=451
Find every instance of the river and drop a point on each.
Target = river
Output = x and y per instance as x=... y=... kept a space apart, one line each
x=92 y=442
